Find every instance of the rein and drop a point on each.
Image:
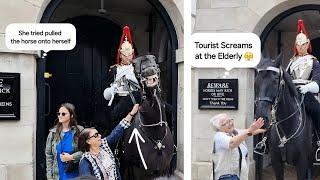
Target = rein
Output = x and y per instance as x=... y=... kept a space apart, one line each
x=161 y=122
x=275 y=102
x=139 y=116
x=158 y=143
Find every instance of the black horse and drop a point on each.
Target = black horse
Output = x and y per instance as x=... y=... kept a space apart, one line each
x=148 y=145
x=289 y=127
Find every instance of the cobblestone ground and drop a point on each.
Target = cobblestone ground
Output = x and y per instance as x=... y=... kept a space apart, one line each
x=290 y=173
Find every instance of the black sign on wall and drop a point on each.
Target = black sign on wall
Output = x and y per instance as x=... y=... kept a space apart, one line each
x=218 y=94
x=9 y=96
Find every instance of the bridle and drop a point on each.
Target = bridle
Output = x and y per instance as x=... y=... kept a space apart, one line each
x=281 y=82
x=275 y=101
x=158 y=143
x=161 y=122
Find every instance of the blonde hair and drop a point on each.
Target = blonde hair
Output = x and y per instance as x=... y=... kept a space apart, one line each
x=215 y=121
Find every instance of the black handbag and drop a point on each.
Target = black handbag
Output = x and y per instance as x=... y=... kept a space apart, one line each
x=71 y=166
x=229 y=177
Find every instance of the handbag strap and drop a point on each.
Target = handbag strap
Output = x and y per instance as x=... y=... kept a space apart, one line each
x=240 y=159
x=213 y=151
x=235 y=132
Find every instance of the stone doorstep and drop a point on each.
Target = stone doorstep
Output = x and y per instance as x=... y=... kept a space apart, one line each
x=3 y=172
x=9 y=171
x=204 y=166
x=178 y=174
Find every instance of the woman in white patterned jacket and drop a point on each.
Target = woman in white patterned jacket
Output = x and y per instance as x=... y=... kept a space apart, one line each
x=98 y=159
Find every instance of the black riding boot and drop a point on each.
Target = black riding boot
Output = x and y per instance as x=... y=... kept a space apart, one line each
x=119 y=109
x=121 y=106
x=312 y=107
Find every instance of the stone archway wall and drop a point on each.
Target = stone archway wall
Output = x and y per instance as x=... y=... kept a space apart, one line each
x=229 y=16
x=31 y=11
x=272 y=18
x=19 y=137
x=270 y=12
x=174 y=9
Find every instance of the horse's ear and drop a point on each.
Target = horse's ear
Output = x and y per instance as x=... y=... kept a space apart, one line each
x=278 y=60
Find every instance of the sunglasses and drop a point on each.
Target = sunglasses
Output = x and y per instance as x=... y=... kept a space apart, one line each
x=62 y=114
x=95 y=135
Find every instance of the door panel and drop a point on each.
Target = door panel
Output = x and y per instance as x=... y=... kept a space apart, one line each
x=79 y=75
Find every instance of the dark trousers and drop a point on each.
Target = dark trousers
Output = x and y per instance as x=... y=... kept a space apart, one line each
x=313 y=109
x=121 y=106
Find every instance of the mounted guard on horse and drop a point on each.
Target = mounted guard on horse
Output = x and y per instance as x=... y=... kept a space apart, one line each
x=137 y=81
x=121 y=79
x=304 y=70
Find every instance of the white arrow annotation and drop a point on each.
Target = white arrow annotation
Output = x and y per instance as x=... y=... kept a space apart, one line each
x=137 y=135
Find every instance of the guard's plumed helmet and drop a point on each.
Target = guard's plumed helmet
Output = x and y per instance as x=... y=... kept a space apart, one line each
x=126 y=45
x=302 y=36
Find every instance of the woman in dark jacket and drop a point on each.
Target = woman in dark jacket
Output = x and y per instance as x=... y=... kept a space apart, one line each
x=98 y=159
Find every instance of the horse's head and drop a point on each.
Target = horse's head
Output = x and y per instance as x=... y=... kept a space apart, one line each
x=148 y=72
x=267 y=87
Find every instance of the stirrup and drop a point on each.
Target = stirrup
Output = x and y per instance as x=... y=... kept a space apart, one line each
x=261 y=147
x=317 y=152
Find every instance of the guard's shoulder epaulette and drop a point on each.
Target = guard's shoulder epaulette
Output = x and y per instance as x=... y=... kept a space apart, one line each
x=113 y=66
x=313 y=57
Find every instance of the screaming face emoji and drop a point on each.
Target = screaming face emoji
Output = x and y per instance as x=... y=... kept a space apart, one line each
x=248 y=56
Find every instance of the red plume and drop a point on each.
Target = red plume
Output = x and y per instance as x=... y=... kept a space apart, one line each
x=125 y=33
x=301 y=27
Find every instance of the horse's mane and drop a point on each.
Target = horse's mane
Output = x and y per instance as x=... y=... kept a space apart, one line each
x=292 y=88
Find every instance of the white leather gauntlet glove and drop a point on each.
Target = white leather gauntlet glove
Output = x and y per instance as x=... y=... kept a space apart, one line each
x=310 y=87
x=109 y=92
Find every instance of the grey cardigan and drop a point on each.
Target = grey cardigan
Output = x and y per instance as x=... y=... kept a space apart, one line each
x=51 y=152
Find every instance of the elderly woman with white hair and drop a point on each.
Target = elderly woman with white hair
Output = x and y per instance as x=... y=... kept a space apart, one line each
x=229 y=148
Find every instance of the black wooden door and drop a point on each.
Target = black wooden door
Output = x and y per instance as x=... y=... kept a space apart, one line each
x=79 y=75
